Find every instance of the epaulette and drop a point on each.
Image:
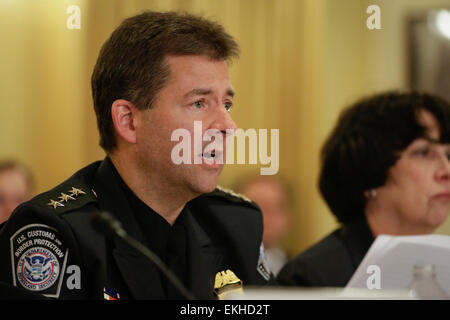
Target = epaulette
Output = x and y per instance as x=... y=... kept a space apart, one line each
x=68 y=196
x=232 y=196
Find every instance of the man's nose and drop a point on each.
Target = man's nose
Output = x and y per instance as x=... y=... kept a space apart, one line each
x=223 y=122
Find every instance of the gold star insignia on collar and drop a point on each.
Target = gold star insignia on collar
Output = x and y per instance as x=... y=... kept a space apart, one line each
x=65 y=197
x=55 y=204
x=76 y=192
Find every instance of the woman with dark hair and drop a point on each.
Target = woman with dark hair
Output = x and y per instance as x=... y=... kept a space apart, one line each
x=385 y=169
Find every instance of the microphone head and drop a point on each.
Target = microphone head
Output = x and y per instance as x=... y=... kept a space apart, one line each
x=105 y=224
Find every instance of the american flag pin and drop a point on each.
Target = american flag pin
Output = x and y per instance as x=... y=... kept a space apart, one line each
x=109 y=294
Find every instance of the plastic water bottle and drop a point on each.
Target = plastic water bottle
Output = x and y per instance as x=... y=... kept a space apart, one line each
x=424 y=284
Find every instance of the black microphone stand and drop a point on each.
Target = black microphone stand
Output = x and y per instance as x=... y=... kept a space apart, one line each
x=105 y=224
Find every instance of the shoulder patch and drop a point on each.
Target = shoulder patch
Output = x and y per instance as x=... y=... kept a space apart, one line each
x=38 y=259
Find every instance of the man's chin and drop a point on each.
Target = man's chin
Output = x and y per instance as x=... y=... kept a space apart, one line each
x=207 y=187
x=205 y=184
x=202 y=180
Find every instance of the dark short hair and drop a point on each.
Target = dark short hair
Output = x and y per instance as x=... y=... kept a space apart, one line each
x=366 y=142
x=131 y=63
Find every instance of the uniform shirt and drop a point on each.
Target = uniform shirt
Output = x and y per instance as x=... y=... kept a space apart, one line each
x=49 y=246
x=166 y=241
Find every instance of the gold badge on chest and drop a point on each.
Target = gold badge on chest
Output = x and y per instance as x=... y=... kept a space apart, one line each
x=226 y=282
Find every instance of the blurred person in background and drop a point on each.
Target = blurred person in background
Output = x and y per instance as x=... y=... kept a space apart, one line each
x=384 y=170
x=15 y=186
x=272 y=196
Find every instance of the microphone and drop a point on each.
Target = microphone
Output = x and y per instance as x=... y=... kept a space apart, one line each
x=107 y=225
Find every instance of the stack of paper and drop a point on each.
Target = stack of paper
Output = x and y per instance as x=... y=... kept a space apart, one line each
x=390 y=261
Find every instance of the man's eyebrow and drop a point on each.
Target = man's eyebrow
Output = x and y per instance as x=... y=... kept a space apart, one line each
x=230 y=92
x=204 y=92
x=198 y=91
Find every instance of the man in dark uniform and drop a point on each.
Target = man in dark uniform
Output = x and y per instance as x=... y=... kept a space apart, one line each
x=158 y=72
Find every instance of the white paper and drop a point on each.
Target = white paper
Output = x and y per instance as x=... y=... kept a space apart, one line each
x=396 y=256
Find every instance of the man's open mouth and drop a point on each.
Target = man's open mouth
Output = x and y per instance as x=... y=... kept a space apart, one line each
x=212 y=157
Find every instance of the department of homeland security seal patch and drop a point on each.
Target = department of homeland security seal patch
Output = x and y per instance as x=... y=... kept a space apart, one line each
x=38 y=259
x=37 y=269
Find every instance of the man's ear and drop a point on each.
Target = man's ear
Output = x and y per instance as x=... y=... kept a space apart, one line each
x=123 y=114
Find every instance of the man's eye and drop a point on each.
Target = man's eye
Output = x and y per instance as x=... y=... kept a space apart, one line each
x=228 y=105
x=198 y=104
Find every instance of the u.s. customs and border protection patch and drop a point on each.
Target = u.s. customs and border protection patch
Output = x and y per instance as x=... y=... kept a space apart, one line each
x=38 y=259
